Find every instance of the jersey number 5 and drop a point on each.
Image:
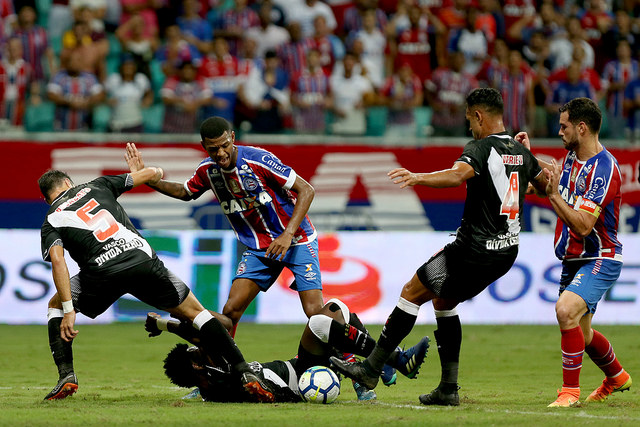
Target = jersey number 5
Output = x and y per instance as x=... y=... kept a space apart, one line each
x=510 y=205
x=102 y=223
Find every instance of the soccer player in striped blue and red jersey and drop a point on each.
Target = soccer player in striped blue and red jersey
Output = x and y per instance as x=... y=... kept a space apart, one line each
x=585 y=193
x=255 y=191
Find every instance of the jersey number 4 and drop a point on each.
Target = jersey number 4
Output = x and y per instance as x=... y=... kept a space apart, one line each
x=510 y=205
x=102 y=223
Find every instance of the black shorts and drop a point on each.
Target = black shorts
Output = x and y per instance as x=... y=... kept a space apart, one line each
x=151 y=282
x=460 y=274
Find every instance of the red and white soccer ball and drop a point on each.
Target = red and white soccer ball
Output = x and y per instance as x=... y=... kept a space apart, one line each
x=319 y=384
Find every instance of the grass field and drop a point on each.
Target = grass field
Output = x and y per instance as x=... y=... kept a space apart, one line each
x=508 y=376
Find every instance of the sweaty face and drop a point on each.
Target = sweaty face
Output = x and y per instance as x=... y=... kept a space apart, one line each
x=222 y=149
x=568 y=132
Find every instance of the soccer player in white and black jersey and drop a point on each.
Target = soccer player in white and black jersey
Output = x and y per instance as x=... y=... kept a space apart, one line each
x=114 y=259
x=497 y=171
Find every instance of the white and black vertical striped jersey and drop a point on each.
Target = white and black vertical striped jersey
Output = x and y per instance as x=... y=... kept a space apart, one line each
x=495 y=195
x=88 y=222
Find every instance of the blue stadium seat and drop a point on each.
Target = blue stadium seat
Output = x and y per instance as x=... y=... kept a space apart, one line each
x=56 y=45
x=43 y=7
x=39 y=118
x=376 y=120
x=115 y=49
x=152 y=118
x=422 y=116
x=157 y=77
x=101 y=117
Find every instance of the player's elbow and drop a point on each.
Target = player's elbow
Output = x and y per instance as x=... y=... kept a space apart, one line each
x=582 y=231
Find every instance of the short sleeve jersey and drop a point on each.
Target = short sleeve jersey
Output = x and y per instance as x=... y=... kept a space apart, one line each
x=593 y=187
x=495 y=195
x=254 y=196
x=89 y=223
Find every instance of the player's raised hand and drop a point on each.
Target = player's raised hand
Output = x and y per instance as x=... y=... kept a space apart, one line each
x=133 y=157
x=403 y=177
x=151 y=324
x=523 y=138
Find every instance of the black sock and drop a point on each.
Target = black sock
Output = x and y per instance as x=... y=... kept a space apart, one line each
x=216 y=340
x=349 y=339
x=306 y=360
x=398 y=326
x=449 y=337
x=355 y=321
x=61 y=350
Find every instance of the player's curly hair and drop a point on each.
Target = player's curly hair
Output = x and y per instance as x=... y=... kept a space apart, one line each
x=488 y=98
x=214 y=127
x=178 y=367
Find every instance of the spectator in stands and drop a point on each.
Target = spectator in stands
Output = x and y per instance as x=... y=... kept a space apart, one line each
x=305 y=13
x=446 y=93
x=233 y=24
x=351 y=93
x=92 y=11
x=596 y=21
x=329 y=45
x=561 y=45
x=195 y=29
x=401 y=94
x=15 y=83
x=310 y=96
x=176 y=50
x=140 y=45
x=615 y=77
x=221 y=72
x=623 y=29
x=93 y=47
x=267 y=35
x=147 y=11
x=35 y=44
x=183 y=96
x=74 y=92
x=586 y=73
x=470 y=41
x=412 y=46
x=265 y=96
x=493 y=65
x=373 y=47
x=353 y=16
x=519 y=16
x=632 y=109
x=60 y=18
x=293 y=54
x=564 y=90
x=516 y=85
x=128 y=92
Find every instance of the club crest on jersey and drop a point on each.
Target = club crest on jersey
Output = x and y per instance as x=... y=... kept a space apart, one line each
x=242 y=267
x=250 y=183
x=581 y=184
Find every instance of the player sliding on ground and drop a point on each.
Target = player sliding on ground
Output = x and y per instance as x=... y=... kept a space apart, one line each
x=331 y=332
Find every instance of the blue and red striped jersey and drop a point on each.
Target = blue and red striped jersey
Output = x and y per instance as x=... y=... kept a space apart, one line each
x=592 y=186
x=254 y=196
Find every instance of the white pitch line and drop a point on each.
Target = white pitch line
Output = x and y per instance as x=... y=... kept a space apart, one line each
x=561 y=413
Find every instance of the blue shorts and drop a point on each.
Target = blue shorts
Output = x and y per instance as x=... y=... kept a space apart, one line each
x=302 y=260
x=589 y=279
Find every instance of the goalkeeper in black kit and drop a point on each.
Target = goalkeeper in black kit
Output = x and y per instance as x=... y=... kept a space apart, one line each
x=331 y=332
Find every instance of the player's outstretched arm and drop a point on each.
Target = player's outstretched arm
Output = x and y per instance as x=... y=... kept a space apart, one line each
x=453 y=177
x=63 y=286
x=133 y=156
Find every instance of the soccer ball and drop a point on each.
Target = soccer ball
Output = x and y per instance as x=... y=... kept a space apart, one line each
x=319 y=384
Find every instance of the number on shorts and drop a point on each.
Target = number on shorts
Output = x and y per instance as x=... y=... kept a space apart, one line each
x=102 y=223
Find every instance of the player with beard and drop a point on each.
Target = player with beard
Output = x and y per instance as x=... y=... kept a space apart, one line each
x=496 y=170
x=585 y=194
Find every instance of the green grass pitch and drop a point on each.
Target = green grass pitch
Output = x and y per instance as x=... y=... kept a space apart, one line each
x=508 y=375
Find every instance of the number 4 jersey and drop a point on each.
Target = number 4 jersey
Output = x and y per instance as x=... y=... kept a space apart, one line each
x=89 y=223
x=503 y=169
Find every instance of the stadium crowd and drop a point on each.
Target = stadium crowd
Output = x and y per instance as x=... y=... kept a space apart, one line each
x=349 y=67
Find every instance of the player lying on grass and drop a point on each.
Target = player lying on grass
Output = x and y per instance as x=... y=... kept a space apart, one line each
x=331 y=332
